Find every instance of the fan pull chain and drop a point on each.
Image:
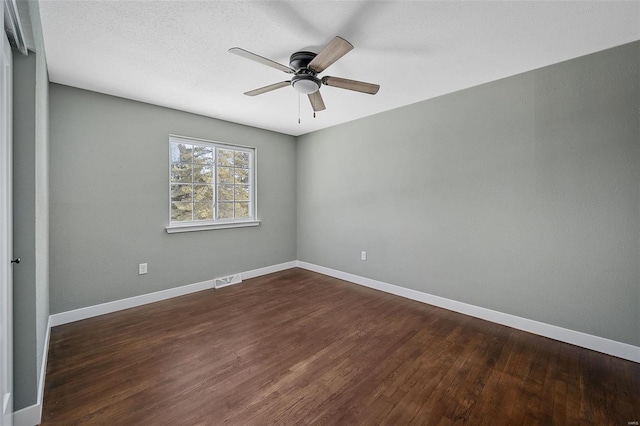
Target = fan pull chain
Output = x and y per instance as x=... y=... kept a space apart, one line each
x=298 y=107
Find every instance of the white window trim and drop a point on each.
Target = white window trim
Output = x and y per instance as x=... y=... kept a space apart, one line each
x=179 y=227
x=199 y=226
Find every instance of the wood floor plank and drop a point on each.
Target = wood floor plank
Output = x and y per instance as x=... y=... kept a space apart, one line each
x=296 y=347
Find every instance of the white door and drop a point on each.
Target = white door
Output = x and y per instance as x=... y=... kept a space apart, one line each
x=6 y=239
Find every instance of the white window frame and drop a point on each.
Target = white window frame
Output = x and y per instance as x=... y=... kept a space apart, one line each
x=206 y=225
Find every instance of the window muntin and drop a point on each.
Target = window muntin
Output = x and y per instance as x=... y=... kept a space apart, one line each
x=210 y=182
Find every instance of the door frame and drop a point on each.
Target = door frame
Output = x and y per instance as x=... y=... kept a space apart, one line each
x=6 y=228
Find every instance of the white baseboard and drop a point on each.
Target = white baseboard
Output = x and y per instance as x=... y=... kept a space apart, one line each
x=28 y=416
x=132 y=302
x=269 y=270
x=599 y=344
x=32 y=415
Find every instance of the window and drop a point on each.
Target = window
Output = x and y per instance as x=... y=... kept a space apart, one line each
x=211 y=185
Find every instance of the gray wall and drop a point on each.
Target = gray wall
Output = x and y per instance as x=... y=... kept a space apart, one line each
x=109 y=201
x=31 y=214
x=521 y=195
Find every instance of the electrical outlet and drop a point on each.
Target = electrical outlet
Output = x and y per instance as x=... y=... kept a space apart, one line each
x=363 y=255
x=142 y=269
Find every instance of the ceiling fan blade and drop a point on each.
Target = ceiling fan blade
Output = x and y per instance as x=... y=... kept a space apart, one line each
x=336 y=49
x=316 y=101
x=264 y=61
x=268 y=88
x=358 y=86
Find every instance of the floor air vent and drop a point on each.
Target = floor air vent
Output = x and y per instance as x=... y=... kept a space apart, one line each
x=225 y=281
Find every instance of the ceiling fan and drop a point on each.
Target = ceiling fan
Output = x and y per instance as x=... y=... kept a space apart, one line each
x=305 y=67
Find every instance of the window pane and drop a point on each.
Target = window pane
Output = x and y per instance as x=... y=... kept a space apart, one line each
x=242 y=159
x=181 y=212
x=242 y=210
x=202 y=154
x=181 y=153
x=203 y=174
x=203 y=193
x=225 y=175
x=225 y=192
x=203 y=211
x=242 y=193
x=225 y=157
x=241 y=175
x=181 y=172
x=225 y=211
x=181 y=192
x=210 y=181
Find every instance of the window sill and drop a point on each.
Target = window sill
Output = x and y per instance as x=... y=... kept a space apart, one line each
x=192 y=227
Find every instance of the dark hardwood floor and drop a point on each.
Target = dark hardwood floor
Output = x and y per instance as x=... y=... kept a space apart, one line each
x=297 y=347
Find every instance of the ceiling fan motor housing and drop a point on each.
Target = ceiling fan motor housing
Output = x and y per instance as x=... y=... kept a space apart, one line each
x=305 y=80
x=300 y=60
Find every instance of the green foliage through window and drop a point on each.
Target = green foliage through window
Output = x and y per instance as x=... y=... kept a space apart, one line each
x=210 y=182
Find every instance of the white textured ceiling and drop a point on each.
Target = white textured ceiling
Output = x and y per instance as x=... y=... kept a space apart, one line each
x=175 y=53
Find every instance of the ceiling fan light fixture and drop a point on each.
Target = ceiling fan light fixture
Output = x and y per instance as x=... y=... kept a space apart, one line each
x=305 y=84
